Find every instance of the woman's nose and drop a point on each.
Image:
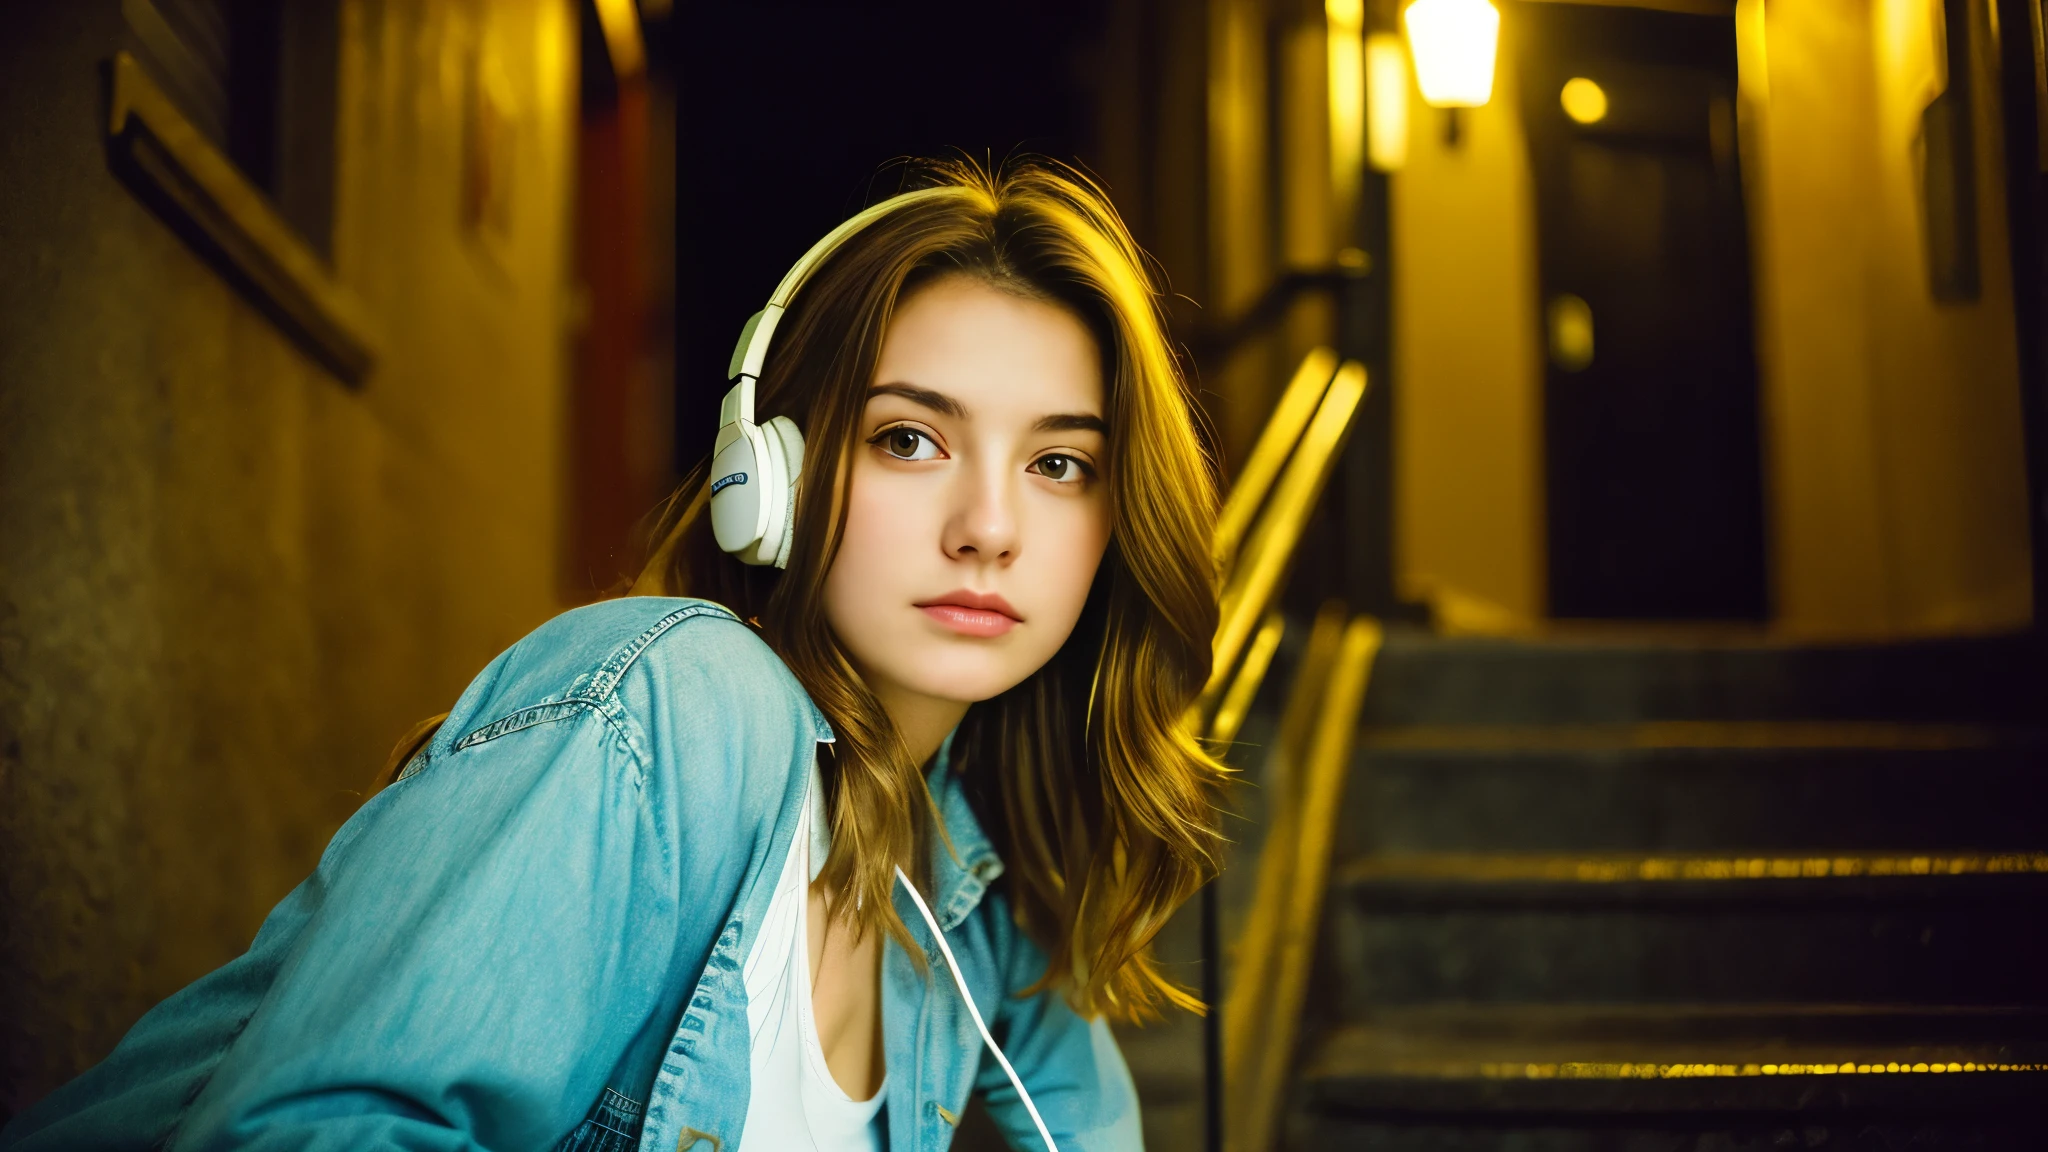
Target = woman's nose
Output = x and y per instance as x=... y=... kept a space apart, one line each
x=983 y=524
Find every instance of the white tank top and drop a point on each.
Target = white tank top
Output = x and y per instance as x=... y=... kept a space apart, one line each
x=795 y=1105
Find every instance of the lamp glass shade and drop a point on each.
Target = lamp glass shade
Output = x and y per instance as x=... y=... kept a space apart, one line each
x=1453 y=42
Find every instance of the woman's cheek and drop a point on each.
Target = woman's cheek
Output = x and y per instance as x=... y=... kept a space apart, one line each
x=1085 y=537
x=896 y=510
x=879 y=522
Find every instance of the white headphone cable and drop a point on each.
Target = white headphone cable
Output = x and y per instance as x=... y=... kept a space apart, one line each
x=954 y=966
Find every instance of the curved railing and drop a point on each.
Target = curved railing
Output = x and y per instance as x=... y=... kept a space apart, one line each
x=1249 y=1035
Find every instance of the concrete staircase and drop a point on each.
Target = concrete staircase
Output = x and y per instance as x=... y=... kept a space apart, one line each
x=1683 y=894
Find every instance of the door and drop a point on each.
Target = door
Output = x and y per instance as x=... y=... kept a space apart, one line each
x=1655 y=503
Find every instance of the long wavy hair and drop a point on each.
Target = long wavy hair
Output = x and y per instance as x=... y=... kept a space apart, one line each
x=1104 y=808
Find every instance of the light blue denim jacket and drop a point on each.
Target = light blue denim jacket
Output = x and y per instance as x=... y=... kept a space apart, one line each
x=534 y=939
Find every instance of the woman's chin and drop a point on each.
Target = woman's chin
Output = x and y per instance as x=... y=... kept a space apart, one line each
x=968 y=681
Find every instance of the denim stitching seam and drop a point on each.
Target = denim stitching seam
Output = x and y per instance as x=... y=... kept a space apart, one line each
x=620 y=1102
x=524 y=718
x=609 y=673
x=597 y=688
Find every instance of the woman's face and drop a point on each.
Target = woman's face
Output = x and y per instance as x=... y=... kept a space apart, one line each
x=978 y=506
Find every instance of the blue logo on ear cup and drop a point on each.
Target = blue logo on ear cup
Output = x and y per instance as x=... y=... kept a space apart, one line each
x=724 y=482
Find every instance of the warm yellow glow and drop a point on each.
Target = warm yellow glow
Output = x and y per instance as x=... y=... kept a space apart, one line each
x=1583 y=100
x=622 y=36
x=1571 y=333
x=1752 y=63
x=1608 y=1070
x=1474 y=868
x=1347 y=95
x=1386 y=105
x=554 y=59
x=1454 y=42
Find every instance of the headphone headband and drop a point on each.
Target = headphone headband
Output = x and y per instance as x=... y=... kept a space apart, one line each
x=752 y=351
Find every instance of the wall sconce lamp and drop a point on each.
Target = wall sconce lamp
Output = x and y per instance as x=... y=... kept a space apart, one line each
x=1454 y=43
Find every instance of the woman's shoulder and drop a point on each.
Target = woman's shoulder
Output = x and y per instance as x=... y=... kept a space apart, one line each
x=600 y=643
x=663 y=657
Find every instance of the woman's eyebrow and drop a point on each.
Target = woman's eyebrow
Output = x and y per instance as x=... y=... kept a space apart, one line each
x=1071 y=422
x=936 y=401
x=947 y=406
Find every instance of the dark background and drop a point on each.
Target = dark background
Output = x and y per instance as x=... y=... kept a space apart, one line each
x=792 y=113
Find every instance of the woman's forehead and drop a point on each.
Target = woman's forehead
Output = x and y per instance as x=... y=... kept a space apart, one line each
x=992 y=354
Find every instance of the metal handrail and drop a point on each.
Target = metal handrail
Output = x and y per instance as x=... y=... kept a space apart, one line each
x=1283 y=431
x=1237 y=703
x=1263 y=1014
x=1255 y=578
x=1307 y=445
x=1254 y=955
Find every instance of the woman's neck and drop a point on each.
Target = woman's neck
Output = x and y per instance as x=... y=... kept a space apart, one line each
x=923 y=721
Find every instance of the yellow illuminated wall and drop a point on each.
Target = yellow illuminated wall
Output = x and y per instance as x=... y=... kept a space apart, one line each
x=1467 y=361
x=229 y=580
x=1241 y=258
x=1896 y=466
x=1894 y=475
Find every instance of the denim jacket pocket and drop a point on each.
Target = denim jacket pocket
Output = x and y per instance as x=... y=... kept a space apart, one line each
x=613 y=1125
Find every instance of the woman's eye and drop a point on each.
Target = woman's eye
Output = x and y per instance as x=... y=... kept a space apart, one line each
x=907 y=444
x=1064 y=469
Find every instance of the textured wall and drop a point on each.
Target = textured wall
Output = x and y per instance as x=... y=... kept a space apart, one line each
x=1896 y=460
x=227 y=582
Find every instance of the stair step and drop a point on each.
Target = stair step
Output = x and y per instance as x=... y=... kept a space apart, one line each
x=1696 y=787
x=1424 y=679
x=1420 y=928
x=1596 y=893
x=1441 y=878
x=1756 y=1058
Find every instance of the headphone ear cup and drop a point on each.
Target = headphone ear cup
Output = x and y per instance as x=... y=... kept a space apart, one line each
x=774 y=504
x=784 y=429
x=737 y=488
x=788 y=441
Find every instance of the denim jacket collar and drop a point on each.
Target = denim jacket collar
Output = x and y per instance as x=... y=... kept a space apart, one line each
x=960 y=877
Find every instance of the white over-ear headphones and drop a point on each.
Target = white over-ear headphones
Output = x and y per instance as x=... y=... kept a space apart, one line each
x=755 y=468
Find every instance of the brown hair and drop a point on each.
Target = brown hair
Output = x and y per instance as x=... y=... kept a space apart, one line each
x=1101 y=803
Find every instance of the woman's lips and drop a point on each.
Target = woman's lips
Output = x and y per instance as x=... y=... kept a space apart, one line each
x=969 y=621
x=972 y=613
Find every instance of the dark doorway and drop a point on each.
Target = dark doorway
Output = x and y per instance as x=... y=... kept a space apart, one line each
x=1650 y=393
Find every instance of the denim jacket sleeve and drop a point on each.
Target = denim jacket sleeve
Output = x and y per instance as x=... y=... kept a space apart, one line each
x=1071 y=1065
x=483 y=940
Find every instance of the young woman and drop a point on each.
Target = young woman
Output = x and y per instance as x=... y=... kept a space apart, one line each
x=714 y=873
